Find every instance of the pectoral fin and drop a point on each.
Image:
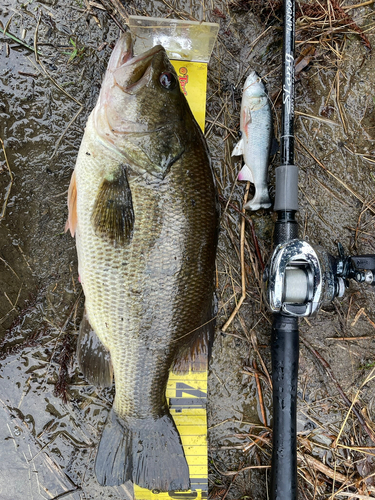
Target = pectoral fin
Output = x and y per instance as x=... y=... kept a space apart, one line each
x=71 y=223
x=113 y=215
x=238 y=148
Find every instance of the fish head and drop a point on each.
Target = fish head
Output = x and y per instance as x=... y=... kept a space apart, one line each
x=140 y=111
x=253 y=86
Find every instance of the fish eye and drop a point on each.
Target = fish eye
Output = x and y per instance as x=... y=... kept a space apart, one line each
x=168 y=80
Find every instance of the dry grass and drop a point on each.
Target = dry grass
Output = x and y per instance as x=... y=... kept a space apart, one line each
x=335 y=443
x=336 y=448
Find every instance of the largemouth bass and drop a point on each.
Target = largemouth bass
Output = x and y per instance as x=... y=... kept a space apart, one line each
x=255 y=142
x=142 y=206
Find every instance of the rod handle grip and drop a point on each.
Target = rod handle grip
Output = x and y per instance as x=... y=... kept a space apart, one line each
x=285 y=355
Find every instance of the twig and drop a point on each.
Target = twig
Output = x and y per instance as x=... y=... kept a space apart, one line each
x=66 y=493
x=114 y=7
x=243 y=277
x=36 y=39
x=13 y=305
x=260 y=395
x=357 y=316
x=368 y=337
x=89 y=9
x=10 y=185
x=357 y=5
x=369 y=320
x=368 y=379
x=233 y=473
x=347 y=401
x=230 y=130
x=254 y=342
x=229 y=487
x=316 y=211
x=364 y=156
x=354 y=495
x=252 y=229
x=215 y=120
x=316 y=464
x=24 y=258
x=57 y=85
x=318 y=118
x=343 y=121
x=255 y=442
x=181 y=14
x=359 y=449
x=15 y=39
x=330 y=191
x=334 y=176
x=250 y=50
x=250 y=373
x=96 y=5
x=355 y=483
x=64 y=325
x=65 y=131
x=7 y=265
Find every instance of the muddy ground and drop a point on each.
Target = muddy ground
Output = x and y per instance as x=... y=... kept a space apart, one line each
x=46 y=94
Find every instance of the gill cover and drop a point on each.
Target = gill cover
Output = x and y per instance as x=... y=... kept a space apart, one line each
x=145 y=86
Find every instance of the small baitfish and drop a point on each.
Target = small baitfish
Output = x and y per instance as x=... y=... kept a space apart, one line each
x=143 y=208
x=255 y=142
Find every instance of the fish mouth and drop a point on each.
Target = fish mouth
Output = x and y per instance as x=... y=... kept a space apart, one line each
x=252 y=79
x=131 y=71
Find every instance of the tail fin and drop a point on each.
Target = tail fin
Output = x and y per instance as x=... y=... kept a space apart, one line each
x=260 y=200
x=146 y=451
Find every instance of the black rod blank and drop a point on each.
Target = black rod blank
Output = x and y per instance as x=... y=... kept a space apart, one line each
x=287 y=126
x=286 y=198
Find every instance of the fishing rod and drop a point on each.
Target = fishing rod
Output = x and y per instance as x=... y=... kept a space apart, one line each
x=285 y=336
x=299 y=279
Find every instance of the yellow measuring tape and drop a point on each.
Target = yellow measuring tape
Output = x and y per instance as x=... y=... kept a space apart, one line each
x=187 y=394
x=193 y=83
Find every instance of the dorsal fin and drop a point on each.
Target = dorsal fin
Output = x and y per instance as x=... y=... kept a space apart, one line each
x=71 y=223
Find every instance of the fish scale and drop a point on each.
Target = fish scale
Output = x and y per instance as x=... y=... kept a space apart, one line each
x=117 y=316
x=148 y=292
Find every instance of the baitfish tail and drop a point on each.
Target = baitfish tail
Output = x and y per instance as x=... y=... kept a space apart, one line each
x=146 y=451
x=261 y=199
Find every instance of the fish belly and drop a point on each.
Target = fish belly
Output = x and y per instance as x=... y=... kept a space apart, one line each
x=256 y=156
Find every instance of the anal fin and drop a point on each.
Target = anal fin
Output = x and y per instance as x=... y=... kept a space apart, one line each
x=93 y=358
x=245 y=174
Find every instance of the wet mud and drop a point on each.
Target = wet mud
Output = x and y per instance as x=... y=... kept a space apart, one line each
x=50 y=418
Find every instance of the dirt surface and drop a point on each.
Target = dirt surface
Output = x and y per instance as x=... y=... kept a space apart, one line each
x=50 y=418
